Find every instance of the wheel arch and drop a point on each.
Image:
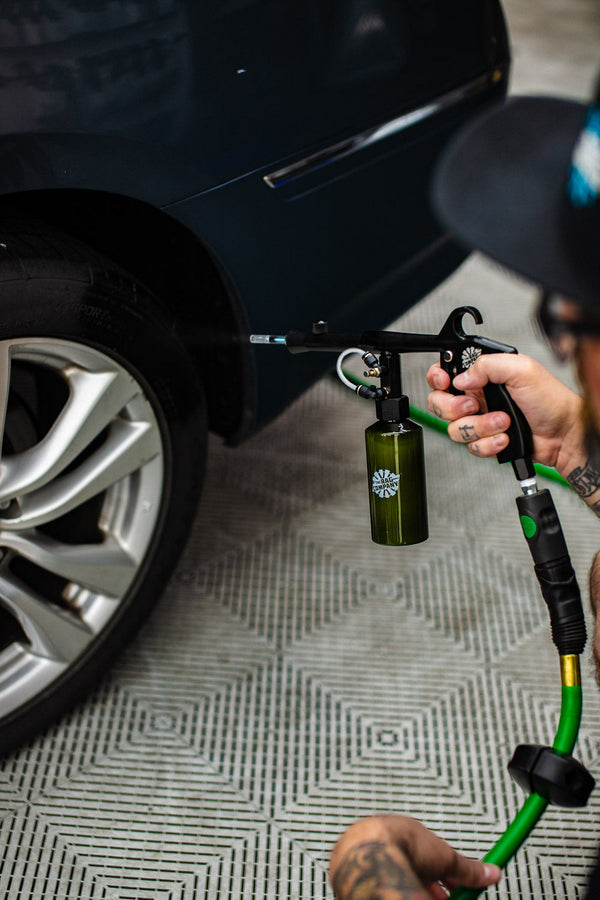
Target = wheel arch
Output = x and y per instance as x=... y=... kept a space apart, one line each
x=179 y=269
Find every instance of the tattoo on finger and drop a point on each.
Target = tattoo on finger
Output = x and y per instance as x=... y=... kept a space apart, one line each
x=468 y=433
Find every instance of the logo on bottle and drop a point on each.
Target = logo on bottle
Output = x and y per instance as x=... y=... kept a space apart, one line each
x=385 y=483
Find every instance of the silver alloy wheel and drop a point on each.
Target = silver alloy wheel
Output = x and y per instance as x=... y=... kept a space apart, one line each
x=102 y=441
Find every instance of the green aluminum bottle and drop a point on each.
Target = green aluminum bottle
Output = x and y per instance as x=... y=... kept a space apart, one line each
x=396 y=471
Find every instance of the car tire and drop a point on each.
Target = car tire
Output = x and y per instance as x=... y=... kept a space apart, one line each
x=103 y=449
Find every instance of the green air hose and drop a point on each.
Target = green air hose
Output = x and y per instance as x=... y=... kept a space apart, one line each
x=571 y=699
x=547 y=774
x=535 y=805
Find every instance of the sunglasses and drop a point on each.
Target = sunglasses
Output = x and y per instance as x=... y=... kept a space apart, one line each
x=563 y=323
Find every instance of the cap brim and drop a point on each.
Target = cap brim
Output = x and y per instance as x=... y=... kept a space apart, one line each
x=500 y=189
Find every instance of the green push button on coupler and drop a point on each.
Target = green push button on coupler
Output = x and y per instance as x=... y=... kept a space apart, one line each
x=529 y=526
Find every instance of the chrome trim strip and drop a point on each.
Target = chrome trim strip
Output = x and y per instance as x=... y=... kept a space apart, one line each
x=367 y=138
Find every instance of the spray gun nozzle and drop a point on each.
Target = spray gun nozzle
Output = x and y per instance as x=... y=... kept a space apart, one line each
x=267 y=339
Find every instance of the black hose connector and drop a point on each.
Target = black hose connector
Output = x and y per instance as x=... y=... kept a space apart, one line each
x=555 y=574
x=561 y=780
x=370 y=392
x=561 y=592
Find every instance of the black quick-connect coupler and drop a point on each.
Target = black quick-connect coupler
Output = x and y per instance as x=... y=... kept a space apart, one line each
x=554 y=571
x=561 y=780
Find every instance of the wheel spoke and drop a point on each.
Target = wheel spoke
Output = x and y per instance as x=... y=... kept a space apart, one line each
x=128 y=447
x=52 y=632
x=4 y=386
x=95 y=399
x=106 y=568
x=78 y=427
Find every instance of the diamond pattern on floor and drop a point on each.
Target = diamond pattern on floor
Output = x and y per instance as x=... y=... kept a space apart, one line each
x=295 y=676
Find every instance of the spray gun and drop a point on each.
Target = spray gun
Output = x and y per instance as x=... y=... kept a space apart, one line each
x=398 y=507
x=394 y=443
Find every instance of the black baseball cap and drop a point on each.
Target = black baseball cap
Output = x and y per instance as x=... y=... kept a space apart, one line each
x=522 y=183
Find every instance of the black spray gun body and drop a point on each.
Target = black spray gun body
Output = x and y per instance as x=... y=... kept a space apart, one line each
x=397 y=473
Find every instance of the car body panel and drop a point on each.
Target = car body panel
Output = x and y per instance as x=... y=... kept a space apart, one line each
x=234 y=85
x=195 y=108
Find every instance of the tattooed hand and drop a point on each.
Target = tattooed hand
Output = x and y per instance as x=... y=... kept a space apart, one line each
x=397 y=858
x=552 y=410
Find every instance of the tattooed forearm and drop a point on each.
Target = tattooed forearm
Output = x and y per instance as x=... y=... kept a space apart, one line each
x=370 y=872
x=585 y=480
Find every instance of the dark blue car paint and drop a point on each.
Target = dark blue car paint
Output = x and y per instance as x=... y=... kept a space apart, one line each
x=114 y=110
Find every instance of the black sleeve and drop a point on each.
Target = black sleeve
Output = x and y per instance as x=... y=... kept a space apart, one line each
x=593 y=890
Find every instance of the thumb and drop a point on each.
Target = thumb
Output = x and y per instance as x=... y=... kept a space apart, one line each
x=499 y=368
x=472 y=873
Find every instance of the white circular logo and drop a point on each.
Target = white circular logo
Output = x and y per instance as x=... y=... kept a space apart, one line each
x=469 y=355
x=385 y=483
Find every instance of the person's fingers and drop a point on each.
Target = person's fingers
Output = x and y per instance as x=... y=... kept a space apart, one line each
x=450 y=406
x=487 y=447
x=471 y=873
x=437 y=892
x=382 y=844
x=435 y=861
x=499 y=368
x=470 y=429
x=437 y=379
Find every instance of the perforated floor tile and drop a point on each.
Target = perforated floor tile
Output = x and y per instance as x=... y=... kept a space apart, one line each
x=296 y=676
